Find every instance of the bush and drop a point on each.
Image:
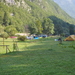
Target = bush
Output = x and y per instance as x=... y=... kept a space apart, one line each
x=4 y=35
x=22 y=38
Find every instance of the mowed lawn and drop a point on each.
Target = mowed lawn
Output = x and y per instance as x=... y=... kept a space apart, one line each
x=38 y=57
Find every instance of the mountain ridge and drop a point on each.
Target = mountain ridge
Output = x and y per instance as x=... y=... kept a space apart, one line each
x=67 y=6
x=45 y=6
x=25 y=12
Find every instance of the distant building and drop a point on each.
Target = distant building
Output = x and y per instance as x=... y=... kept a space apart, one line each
x=23 y=34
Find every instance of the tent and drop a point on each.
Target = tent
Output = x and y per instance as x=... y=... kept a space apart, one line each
x=36 y=37
x=70 y=38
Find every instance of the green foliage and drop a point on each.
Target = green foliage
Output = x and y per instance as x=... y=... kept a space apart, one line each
x=48 y=26
x=33 y=11
x=22 y=38
x=60 y=26
x=4 y=35
x=5 y=19
x=1 y=29
x=71 y=29
x=11 y=30
x=33 y=29
x=1 y=21
x=39 y=27
x=36 y=28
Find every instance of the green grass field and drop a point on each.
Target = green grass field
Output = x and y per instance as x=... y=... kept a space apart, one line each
x=38 y=57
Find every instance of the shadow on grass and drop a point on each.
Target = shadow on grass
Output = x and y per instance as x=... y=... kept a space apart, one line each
x=37 y=62
x=42 y=57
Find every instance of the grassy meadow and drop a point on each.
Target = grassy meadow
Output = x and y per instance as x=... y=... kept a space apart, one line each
x=38 y=57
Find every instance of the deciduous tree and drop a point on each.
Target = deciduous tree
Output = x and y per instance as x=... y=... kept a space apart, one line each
x=11 y=30
x=48 y=26
x=39 y=26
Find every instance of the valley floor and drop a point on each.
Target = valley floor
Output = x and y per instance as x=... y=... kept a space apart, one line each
x=38 y=57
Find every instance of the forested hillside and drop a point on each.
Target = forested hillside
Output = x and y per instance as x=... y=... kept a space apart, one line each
x=34 y=16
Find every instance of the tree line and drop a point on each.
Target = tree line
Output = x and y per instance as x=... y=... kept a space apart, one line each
x=52 y=26
x=49 y=25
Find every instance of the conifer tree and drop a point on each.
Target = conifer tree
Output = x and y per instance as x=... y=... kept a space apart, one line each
x=5 y=19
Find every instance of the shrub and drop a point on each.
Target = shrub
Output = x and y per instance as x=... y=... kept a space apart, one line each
x=21 y=38
x=4 y=35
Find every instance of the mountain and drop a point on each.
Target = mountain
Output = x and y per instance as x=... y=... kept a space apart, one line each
x=21 y=13
x=67 y=5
